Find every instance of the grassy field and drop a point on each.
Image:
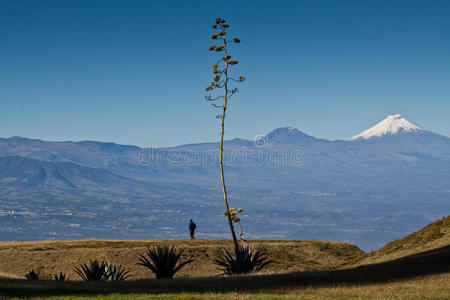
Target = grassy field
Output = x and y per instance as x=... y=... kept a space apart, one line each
x=421 y=276
x=415 y=267
x=54 y=256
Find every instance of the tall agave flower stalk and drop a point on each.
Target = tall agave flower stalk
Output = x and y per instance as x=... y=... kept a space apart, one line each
x=222 y=81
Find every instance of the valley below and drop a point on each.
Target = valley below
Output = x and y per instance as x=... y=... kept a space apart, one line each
x=366 y=191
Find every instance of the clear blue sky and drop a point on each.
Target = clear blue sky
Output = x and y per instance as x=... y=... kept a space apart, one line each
x=134 y=72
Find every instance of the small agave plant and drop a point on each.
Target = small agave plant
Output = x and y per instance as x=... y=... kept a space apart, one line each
x=162 y=261
x=33 y=275
x=116 y=272
x=244 y=260
x=60 y=277
x=94 y=271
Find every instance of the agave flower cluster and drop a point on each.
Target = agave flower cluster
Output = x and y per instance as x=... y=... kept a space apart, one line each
x=235 y=219
x=233 y=214
x=220 y=68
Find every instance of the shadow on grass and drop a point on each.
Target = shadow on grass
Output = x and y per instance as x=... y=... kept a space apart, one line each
x=425 y=263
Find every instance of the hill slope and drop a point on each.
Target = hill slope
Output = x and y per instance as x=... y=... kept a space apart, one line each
x=23 y=172
x=432 y=236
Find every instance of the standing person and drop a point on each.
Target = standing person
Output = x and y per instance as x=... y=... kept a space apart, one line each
x=192 y=227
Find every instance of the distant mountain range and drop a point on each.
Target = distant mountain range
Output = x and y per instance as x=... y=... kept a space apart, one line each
x=363 y=190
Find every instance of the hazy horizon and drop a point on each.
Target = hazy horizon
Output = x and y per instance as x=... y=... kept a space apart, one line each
x=257 y=136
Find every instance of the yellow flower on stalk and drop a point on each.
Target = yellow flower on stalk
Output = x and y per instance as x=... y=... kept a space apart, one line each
x=219 y=48
x=240 y=210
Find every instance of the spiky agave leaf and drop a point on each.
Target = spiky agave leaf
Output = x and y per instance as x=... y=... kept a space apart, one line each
x=260 y=259
x=33 y=275
x=60 y=277
x=116 y=272
x=162 y=261
x=227 y=262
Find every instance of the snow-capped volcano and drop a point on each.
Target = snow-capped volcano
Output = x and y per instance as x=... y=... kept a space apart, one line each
x=391 y=125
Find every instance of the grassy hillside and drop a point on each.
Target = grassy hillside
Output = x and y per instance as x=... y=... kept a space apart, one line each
x=421 y=276
x=289 y=256
x=415 y=267
x=55 y=256
x=432 y=236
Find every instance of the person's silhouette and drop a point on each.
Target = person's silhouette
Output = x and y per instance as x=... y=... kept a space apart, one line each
x=192 y=227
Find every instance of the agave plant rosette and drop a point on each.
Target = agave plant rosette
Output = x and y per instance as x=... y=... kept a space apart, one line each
x=163 y=261
x=244 y=260
x=93 y=271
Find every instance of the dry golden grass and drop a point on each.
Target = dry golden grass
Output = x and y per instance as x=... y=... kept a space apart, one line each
x=432 y=236
x=420 y=276
x=424 y=287
x=56 y=256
